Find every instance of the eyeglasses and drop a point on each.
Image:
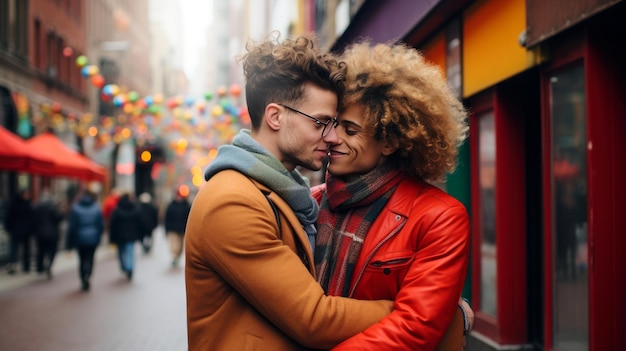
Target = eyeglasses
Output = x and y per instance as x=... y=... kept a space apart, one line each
x=325 y=130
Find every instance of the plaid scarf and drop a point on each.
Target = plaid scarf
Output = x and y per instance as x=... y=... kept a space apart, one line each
x=347 y=211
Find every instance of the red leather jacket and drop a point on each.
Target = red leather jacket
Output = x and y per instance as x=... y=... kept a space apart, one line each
x=415 y=253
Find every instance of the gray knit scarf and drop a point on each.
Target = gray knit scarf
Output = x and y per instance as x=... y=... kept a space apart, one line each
x=248 y=157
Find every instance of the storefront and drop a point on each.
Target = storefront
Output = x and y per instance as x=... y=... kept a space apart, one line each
x=544 y=84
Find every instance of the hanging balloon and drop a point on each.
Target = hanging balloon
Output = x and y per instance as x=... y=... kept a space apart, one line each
x=56 y=107
x=201 y=108
x=224 y=102
x=217 y=110
x=235 y=90
x=86 y=118
x=141 y=104
x=177 y=112
x=107 y=122
x=232 y=110
x=148 y=100
x=171 y=103
x=85 y=71
x=137 y=110
x=128 y=108
x=45 y=108
x=93 y=69
x=67 y=51
x=111 y=89
x=81 y=60
x=158 y=98
x=119 y=100
x=105 y=97
x=244 y=116
x=189 y=102
x=208 y=96
x=154 y=109
x=221 y=91
x=97 y=80
x=133 y=96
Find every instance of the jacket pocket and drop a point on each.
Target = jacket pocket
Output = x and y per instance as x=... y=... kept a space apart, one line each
x=390 y=263
x=383 y=277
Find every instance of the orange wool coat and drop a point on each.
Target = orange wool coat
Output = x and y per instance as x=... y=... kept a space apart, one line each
x=246 y=287
x=416 y=253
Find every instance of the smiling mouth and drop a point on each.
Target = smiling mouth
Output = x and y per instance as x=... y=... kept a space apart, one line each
x=333 y=152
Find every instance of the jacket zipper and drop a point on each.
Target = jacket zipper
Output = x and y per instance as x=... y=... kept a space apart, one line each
x=381 y=263
x=369 y=258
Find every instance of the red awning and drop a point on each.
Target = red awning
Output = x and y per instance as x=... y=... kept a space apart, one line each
x=67 y=162
x=15 y=155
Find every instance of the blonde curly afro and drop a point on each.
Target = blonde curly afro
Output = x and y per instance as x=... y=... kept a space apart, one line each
x=408 y=102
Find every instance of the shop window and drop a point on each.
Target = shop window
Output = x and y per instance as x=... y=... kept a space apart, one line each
x=51 y=67
x=21 y=29
x=570 y=283
x=13 y=27
x=498 y=212
x=4 y=24
x=487 y=208
x=38 y=59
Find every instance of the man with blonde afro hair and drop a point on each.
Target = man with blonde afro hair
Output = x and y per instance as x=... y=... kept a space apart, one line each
x=384 y=232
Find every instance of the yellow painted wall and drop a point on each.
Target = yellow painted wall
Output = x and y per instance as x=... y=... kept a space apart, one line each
x=491 y=52
x=435 y=51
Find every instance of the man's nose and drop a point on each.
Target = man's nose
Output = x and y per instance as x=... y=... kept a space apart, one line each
x=331 y=137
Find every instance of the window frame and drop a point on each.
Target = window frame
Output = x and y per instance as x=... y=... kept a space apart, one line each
x=509 y=326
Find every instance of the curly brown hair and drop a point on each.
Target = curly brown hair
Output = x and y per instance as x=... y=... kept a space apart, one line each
x=278 y=71
x=407 y=102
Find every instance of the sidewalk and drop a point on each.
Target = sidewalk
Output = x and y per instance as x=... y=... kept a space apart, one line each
x=64 y=261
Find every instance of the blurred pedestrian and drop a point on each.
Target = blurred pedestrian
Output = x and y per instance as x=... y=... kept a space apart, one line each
x=47 y=218
x=19 y=224
x=151 y=219
x=84 y=233
x=108 y=205
x=176 y=215
x=126 y=227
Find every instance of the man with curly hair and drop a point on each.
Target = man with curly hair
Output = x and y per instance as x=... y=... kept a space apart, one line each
x=249 y=273
x=384 y=232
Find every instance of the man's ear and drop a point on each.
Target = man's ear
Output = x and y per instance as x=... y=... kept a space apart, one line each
x=390 y=147
x=273 y=116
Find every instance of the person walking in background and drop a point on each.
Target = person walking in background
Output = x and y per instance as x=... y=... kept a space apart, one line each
x=108 y=205
x=150 y=215
x=84 y=232
x=19 y=224
x=175 y=221
x=126 y=226
x=47 y=218
x=383 y=231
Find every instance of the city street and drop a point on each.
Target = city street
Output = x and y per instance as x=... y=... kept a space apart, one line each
x=147 y=313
